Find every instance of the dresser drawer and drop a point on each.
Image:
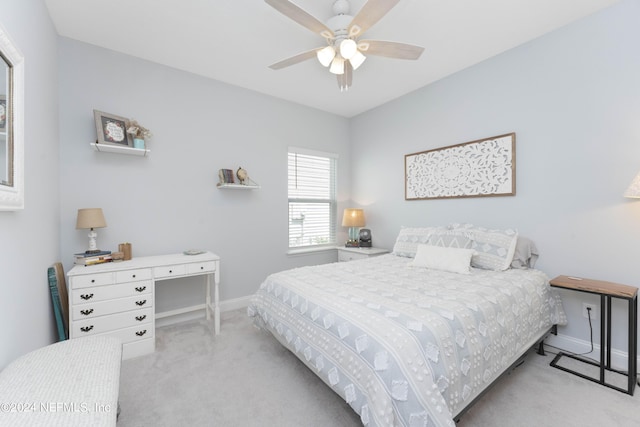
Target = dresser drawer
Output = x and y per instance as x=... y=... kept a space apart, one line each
x=133 y=275
x=101 y=293
x=98 y=279
x=102 y=324
x=202 y=267
x=350 y=256
x=102 y=308
x=135 y=333
x=169 y=271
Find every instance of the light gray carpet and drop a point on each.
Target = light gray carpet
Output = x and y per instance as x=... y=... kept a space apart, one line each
x=244 y=377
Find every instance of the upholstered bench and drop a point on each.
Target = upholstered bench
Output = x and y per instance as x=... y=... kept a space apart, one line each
x=69 y=383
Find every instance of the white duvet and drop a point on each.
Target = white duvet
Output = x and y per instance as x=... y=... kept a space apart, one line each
x=406 y=346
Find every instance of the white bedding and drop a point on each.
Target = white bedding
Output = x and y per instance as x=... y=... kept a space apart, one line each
x=406 y=346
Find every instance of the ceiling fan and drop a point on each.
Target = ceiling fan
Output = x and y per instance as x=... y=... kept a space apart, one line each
x=345 y=51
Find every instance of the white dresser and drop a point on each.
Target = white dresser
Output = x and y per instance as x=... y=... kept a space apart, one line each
x=117 y=298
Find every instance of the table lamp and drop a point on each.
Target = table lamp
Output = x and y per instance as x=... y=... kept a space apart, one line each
x=91 y=218
x=353 y=218
x=633 y=191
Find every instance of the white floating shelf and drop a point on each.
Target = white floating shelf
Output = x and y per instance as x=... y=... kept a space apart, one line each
x=238 y=186
x=120 y=150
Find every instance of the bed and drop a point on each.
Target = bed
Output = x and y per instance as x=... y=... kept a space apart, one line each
x=412 y=338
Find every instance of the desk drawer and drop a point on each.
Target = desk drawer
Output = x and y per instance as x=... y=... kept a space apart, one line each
x=201 y=267
x=97 y=279
x=101 y=324
x=165 y=272
x=133 y=275
x=102 y=308
x=101 y=293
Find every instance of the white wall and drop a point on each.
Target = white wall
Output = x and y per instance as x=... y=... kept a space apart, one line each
x=168 y=202
x=573 y=99
x=29 y=238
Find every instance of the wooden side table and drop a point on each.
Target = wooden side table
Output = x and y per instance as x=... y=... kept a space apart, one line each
x=606 y=290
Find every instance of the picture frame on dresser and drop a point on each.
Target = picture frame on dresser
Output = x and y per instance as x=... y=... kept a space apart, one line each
x=112 y=129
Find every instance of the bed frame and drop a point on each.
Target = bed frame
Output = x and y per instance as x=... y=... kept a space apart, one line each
x=540 y=350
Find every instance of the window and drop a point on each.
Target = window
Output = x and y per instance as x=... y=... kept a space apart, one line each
x=312 y=198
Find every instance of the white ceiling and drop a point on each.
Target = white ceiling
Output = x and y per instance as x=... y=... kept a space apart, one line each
x=235 y=41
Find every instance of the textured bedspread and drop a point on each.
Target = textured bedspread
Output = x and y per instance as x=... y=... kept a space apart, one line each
x=406 y=346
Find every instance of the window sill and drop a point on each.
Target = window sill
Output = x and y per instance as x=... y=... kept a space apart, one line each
x=311 y=250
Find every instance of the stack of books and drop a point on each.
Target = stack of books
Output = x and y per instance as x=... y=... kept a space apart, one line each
x=84 y=258
x=226 y=176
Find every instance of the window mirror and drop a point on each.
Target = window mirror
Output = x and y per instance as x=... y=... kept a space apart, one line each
x=11 y=124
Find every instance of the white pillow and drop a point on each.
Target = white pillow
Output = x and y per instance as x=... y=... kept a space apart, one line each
x=409 y=238
x=494 y=248
x=454 y=260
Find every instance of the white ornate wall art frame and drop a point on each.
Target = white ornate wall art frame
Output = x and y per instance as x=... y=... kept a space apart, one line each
x=482 y=168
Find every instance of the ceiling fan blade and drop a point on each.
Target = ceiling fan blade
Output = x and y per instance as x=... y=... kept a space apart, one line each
x=371 y=12
x=303 y=18
x=390 y=49
x=295 y=59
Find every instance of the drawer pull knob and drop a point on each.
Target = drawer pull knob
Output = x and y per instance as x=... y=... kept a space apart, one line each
x=140 y=288
x=93 y=280
x=133 y=275
x=87 y=312
x=143 y=302
x=170 y=271
x=141 y=333
x=141 y=318
x=86 y=328
x=86 y=296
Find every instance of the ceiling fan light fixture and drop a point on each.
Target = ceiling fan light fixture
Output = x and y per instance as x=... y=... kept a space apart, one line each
x=337 y=65
x=357 y=59
x=326 y=55
x=348 y=48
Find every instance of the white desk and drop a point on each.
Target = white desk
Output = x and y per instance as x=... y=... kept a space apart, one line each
x=118 y=298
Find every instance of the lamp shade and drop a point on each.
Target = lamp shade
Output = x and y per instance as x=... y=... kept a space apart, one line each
x=633 y=191
x=326 y=55
x=337 y=65
x=348 y=48
x=357 y=59
x=90 y=218
x=353 y=218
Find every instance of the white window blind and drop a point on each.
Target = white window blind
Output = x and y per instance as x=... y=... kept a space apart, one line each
x=312 y=198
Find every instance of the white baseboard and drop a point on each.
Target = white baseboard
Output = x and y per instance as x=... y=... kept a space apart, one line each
x=619 y=358
x=234 y=304
x=227 y=305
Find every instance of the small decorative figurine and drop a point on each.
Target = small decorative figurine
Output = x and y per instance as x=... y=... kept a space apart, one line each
x=242 y=175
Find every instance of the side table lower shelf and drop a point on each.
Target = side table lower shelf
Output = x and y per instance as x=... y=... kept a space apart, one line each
x=606 y=290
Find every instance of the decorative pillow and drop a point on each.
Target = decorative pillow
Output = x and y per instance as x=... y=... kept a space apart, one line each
x=526 y=254
x=454 y=260
x=451 y=239
x=409 y=238
x=494 y=248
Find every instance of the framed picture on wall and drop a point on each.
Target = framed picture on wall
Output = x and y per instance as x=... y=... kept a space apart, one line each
x=482 y=168
x=112 y=129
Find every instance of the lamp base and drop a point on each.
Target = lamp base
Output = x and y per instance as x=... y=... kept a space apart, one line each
x=352 y=244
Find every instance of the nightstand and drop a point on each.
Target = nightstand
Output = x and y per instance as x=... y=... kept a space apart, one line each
x=350 y=254
x=606 y=290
